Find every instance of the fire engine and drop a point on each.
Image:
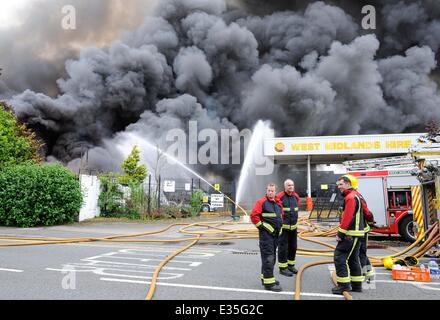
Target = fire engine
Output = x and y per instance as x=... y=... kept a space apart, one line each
x=427 y=156
x=387 y=184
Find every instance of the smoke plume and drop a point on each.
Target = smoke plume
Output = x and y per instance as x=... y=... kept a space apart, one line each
x=307 y=66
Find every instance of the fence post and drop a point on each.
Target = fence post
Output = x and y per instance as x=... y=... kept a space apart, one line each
x=158 y=194
x=149 y=194
x=192 y=187
x=233 y=212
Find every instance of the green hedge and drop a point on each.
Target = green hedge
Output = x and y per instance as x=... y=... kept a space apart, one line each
x=33 y=195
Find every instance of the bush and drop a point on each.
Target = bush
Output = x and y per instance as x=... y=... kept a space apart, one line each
x=114 y=202
x=111 y=199
x=196 y=203
x=173 y=212
x=137 y=201
x=32 y=195
x=17 y=143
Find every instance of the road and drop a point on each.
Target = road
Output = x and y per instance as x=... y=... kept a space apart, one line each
x=210 y=270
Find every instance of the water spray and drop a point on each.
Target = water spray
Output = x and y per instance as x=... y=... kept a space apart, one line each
x=174 y=159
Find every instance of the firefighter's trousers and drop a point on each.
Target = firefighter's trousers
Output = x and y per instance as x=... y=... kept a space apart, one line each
x=287 y=248
x=268 y=246
x=347 y=263
x=367 y=268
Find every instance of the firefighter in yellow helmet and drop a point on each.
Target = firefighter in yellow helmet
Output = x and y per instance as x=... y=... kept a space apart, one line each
x=351 y=230
x=367 y=268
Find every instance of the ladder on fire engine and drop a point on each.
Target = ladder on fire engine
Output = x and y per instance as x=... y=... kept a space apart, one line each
x=379 y=163
x=427 y=156
x=427 y=151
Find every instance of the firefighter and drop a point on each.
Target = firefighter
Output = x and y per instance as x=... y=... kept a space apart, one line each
x=288 y=239
x=367 y=268
x=350 y=231
x=267 y=215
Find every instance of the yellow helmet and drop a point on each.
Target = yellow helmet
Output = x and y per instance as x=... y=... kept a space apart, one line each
x=388 y=262
x=353 y=180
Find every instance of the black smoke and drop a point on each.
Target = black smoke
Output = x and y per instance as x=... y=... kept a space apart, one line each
x=307 y=66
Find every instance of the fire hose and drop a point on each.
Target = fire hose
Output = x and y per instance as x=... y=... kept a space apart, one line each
x=308 y=231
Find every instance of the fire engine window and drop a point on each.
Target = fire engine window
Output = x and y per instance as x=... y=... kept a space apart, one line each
x=400 y=199
x=397 y=199
x=391 y=199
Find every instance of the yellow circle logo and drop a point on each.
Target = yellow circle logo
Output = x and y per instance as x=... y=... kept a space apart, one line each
x=279 y=147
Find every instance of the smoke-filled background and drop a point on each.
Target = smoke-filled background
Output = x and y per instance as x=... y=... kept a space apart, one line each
x=145 y=67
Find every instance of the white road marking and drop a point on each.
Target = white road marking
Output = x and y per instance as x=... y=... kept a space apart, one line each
x=186 y=254
x=128 y=246
x=382 y=273
x=122 y=263
x=408 y=282
x=225 y=288
x=425 y=286
x=11 y=270
x=126 y=256
x=105 y=272
x=91 y=262
x=99 y=264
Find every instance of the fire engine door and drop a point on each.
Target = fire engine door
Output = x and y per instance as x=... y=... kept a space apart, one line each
x=374 y=192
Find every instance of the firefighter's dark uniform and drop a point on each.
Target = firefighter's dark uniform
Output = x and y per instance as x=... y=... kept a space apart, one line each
x=346 y=257
x=267 y=215
x=367 y=268
x=288 y=239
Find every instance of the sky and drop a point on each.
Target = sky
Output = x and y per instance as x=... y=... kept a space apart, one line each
x=10 y=12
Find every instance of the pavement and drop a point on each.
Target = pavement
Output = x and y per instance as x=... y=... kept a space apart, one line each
x=210 y=270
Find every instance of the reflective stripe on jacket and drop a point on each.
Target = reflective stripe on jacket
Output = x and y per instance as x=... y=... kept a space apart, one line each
x=290 y=204
x=352 y=220
x=269 y=213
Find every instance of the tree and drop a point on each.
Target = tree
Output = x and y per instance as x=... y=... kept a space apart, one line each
x=433 y=129
x=18 y=144
x=133 y=172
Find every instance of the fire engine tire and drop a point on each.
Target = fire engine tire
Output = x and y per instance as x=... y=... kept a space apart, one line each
x=205 y=208
x=405 y=227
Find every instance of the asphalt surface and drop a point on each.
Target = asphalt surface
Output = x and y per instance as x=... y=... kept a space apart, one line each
x=210 y=270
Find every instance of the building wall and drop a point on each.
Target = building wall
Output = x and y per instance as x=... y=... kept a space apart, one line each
x=90 y=186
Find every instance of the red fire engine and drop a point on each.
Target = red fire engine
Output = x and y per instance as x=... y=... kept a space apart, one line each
x=387 y=185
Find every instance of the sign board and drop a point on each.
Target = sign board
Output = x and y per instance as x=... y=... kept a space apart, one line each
x=324 y=186
x=326 y=145
x=217 y=200
x=217 y=186
x=187 y=186
x=169 y=186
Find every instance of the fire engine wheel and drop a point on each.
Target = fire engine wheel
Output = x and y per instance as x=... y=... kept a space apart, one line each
x=205 y=208
x=407 y=229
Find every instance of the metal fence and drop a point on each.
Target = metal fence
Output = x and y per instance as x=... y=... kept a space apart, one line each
x=326 y=206
x=170 y=191
x=162 y=193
